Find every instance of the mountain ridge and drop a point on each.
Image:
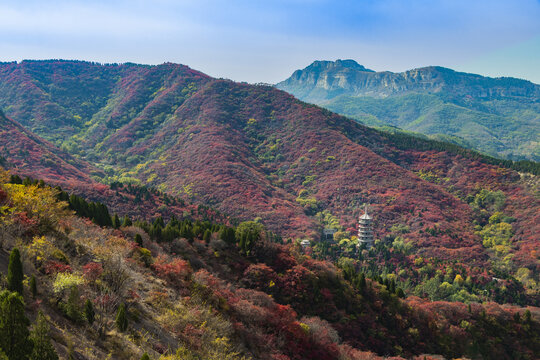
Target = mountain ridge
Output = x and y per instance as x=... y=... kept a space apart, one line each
x=498 y=116
x=394 y=82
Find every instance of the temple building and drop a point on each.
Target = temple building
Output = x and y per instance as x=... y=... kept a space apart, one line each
x=328 y=234
x=365 y=229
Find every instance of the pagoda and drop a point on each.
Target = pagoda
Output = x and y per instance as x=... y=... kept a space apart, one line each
x=365 y=229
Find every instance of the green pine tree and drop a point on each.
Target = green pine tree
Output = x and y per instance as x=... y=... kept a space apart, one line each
x=42 y=347
x=144 y=357
x=187 y=233
x=121 y=318
x=33 y=286
x=527 y=316
x=227 y=234
x=207 y=235
x=14 y=326
x=116 y=221
x=155 y=232
x=138 y=239
x=15 y=272
x=15 y=179
x=72 y=307
x=89 y=312
x=127 y=221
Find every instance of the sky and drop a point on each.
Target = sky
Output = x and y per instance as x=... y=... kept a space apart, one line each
x=265 y=41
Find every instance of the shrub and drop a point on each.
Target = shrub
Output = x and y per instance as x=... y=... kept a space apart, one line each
x=92 y=271
x=145 y=256
x=40 y=203
x=65 y=281
x=54 y=267
x=42 y=249
x=174 y=271
x=115 y=275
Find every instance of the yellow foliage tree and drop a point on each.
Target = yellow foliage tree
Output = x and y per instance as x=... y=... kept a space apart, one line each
x=42 y=249
x=40 y=203
x=496 y=234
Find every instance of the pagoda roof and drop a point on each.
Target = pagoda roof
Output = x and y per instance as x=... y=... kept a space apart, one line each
x=365 y=216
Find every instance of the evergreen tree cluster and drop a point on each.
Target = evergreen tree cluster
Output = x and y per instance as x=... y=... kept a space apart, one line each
x=117 y=222
x=247 y=233
x=358 y=280
x=98 y=212
x=158 y=230
x=187 y=229
x=16 y=341
x=16 y=179
x=145 y=193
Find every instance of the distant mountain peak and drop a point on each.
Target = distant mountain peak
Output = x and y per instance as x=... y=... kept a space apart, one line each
x=338 y=64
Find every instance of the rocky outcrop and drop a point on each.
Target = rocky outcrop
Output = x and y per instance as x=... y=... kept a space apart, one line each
x=324 y=80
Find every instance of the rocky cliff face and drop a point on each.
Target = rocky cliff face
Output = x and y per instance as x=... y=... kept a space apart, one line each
x=324 y=80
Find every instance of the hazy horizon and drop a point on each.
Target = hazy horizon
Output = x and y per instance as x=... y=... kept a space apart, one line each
x=253 y=82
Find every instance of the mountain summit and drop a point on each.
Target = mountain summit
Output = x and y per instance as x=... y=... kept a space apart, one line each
x=338 y=65
x=499 y=116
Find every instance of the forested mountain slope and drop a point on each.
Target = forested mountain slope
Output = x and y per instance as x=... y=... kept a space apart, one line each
x=122 y=290
x=257 y=152
x=29 y=154
x=500 y=117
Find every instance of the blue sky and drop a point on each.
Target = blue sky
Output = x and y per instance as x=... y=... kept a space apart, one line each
x=264 y=41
